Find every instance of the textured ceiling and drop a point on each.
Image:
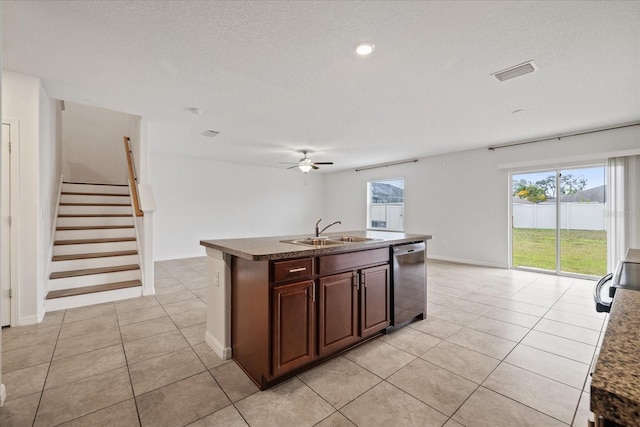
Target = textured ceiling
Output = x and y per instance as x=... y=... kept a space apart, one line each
x=276 y=77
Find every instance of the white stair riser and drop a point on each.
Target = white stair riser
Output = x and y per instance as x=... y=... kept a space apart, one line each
x=85 y=188
x=89 y=248
x=87 y=221
x=95 y=233
x=106 y=210
x=77 y=198
x=81 y=264
x=92 y=279
x=90 y=299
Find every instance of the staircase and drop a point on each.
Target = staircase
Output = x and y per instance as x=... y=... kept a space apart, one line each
x=95 y=252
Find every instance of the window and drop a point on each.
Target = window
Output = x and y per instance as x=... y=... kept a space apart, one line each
x=385 y=205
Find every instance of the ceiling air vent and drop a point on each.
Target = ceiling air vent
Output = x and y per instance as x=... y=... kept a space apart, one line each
x=210 y=133
x=515 y=71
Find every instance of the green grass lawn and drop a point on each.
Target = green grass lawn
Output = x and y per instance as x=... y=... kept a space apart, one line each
x=582 y=251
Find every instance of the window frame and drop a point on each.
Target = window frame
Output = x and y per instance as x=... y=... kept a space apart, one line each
x=369 y=204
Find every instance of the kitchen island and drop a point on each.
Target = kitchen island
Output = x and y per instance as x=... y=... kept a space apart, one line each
x=278 y=305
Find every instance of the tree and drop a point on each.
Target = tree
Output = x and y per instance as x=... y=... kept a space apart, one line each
x=529 y=191
x=545 y=188
x=568 y=185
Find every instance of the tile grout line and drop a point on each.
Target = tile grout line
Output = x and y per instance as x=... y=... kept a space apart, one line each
x=35 y=415
x=126 y=361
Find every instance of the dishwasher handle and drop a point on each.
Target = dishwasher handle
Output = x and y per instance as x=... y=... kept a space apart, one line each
x=408 y=248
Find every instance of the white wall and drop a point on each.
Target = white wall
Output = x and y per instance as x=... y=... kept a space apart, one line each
x=24 y=100
x=200 y=199
x=463 y=198
x=92 y=147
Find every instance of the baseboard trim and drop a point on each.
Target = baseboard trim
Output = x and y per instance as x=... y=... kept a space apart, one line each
x=29 y=320
x=467 y=261
x=148 y=291
x=223 y=353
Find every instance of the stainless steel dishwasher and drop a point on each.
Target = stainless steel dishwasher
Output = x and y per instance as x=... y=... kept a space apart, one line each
x=408 y=284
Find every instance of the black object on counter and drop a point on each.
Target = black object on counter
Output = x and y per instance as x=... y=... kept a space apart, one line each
x=627 y=276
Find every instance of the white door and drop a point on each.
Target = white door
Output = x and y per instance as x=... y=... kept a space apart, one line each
x=5 y=228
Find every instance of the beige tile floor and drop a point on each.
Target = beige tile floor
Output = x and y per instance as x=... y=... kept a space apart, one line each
x=499 y=348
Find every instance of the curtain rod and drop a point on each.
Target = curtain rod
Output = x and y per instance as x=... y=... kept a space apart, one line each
x=559 y=137
x=384 y=165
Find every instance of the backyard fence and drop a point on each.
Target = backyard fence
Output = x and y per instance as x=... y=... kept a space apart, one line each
x=573 y=216
x=386 y=216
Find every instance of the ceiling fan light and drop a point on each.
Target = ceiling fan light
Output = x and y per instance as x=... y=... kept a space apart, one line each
x=305 y=168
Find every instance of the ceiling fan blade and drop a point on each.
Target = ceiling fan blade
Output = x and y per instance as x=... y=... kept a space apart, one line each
x=314 y=166
x=288 y=163
x=322 y=163
x=293 y=167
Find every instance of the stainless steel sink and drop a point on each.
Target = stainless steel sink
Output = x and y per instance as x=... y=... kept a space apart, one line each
x=315 y=242
x=352 y=239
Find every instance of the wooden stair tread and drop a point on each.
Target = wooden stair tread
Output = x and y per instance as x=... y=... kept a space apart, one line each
x=92 y=215
x=87 y=241
x=93 y=289
x=78 y=193
x=93 y=227
x=95 y=204
x=94 y=183
x=93 y=255
x=90 y=271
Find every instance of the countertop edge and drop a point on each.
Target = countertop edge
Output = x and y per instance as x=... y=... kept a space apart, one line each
x=283 y=250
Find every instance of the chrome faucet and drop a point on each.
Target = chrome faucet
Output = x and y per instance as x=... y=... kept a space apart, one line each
x=318 y=231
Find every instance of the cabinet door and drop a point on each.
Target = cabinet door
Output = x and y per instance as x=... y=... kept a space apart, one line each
x=374 y=300
x=293 y=326
x=338 y=308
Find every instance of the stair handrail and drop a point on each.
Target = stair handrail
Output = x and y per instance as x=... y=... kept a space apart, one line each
x=133 y=179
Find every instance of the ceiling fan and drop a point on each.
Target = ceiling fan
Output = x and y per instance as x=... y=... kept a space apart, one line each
x=306 y=164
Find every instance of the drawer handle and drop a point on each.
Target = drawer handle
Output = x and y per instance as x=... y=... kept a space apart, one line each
x=297 y=270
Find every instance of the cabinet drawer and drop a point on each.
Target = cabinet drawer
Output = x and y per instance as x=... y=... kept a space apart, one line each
x=330 y=264
x=284 y=271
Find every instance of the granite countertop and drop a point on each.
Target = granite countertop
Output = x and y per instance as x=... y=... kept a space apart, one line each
x=615 y=386
x=271 y=248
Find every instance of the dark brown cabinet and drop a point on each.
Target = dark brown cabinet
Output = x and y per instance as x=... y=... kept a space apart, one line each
x=374 y=300
x=293 y=309
x=337 y=312
x=288 y=314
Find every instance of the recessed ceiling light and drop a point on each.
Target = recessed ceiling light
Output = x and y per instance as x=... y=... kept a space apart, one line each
x=515 y=71
x=210 y=133
x=364 y=48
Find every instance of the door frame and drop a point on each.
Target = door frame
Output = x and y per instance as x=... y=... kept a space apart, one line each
x=14 y=228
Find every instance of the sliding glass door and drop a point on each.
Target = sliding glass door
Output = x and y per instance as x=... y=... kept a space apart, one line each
x=558 y=221
x=582 y=208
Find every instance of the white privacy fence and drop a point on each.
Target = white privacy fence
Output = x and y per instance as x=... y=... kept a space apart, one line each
x=573 y=216
x=387 y=215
